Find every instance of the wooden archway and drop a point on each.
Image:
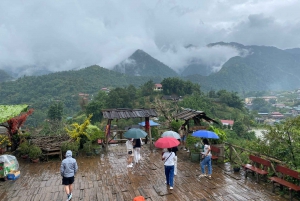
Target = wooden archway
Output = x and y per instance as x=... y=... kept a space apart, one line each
x=126 y=113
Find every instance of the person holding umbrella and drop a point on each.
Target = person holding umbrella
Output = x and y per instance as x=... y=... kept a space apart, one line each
x=129 y=147
x=168 y=158
x=206 y=156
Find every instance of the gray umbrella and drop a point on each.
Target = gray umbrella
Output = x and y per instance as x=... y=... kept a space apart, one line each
x=171 y=134
x=135 y=133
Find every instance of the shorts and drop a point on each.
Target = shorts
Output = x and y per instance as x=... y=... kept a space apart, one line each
x=67 y=180
x=183 y=138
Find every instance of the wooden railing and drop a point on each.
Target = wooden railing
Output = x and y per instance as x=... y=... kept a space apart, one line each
x=239 y=155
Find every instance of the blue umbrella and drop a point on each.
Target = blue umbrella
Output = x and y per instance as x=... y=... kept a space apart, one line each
x=205 y=134
x=152 y=123
x=135 y=133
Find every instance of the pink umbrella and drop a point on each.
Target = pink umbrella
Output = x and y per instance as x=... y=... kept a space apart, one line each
x=166 y=142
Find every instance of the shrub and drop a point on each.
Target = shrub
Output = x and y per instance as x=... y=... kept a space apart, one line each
x=35 y=152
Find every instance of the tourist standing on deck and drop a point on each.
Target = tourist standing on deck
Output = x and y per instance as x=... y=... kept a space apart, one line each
x=129 y=147
x=168 y=158
x=68 y=170
x=137 y=143
x=206 y=159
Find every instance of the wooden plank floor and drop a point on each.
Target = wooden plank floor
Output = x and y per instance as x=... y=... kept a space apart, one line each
x=106 y=178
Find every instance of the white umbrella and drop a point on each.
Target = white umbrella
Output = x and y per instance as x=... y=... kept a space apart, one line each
x=171 y=134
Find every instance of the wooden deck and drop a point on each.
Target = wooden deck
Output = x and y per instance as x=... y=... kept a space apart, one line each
x=106 y=178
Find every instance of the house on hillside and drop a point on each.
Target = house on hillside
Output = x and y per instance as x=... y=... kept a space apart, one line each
x=277 y=115
x=106 y=90
x=158 y=87
x=227 y=123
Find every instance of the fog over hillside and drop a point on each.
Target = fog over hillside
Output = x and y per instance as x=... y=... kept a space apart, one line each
x=47 y=36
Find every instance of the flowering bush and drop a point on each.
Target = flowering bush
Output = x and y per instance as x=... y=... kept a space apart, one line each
x=4 y=141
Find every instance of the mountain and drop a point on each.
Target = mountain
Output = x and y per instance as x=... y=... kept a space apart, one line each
x=4 y=76
x=142 y=64
x=197 y=67
x=262 y=68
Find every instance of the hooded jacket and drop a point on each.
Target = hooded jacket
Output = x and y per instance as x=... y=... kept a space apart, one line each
x=68 y=166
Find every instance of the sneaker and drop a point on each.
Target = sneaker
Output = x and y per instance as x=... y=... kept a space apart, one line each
x=209 y=176
x=188 y=151
x=184 y=149
x=202 y=175
x=70 y=196
x=171 y=187
x=129 y=165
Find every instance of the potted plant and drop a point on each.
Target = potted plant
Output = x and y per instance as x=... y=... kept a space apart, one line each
x=35 y=153
x=236 y=168
x=219 y=143
x=193 y=145
x=87 y=148
x=97 y=149
x=24 y=149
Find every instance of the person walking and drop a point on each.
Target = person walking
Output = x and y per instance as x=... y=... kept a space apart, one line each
x=168 y=158
x=175 y=149
x=183 y=135
x=68 y=171
x=129 y=147
x=206 y=156
x=137 y=144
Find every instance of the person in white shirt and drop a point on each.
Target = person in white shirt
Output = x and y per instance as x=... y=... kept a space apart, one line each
x=129 y=147
x=168 y=158
x=206 y=156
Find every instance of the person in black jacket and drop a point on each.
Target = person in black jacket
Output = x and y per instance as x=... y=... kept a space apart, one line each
x=137 y=144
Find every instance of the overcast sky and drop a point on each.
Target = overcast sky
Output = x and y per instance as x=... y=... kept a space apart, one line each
x=64 y=34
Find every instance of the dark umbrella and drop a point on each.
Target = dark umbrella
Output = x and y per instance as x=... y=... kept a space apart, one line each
x=135 y=133
x=205 y=134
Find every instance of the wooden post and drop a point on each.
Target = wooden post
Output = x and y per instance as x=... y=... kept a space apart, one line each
x=107 y=133
x=148 y=130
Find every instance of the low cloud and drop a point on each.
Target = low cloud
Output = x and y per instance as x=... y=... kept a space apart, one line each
x=64 y=35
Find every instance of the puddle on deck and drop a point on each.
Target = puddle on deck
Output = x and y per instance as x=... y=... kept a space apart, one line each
x=107 y=178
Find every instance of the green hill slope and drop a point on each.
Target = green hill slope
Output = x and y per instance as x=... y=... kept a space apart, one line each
x=264 y=68
x=40 y=91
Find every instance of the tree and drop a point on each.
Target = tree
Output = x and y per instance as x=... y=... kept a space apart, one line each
x=14 y=124
x=282 y=142
x=96 y=106
x=261 y=105
x=147 y=88
x=55 y=111
x=174 y=85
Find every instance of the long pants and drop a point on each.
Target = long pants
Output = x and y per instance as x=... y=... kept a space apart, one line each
x=169 y=172
x=137 y=154
x=175 y=165
x=206 y=161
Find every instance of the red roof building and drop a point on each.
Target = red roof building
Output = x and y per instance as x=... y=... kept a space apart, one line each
x=158 y=87
x=228 y=123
